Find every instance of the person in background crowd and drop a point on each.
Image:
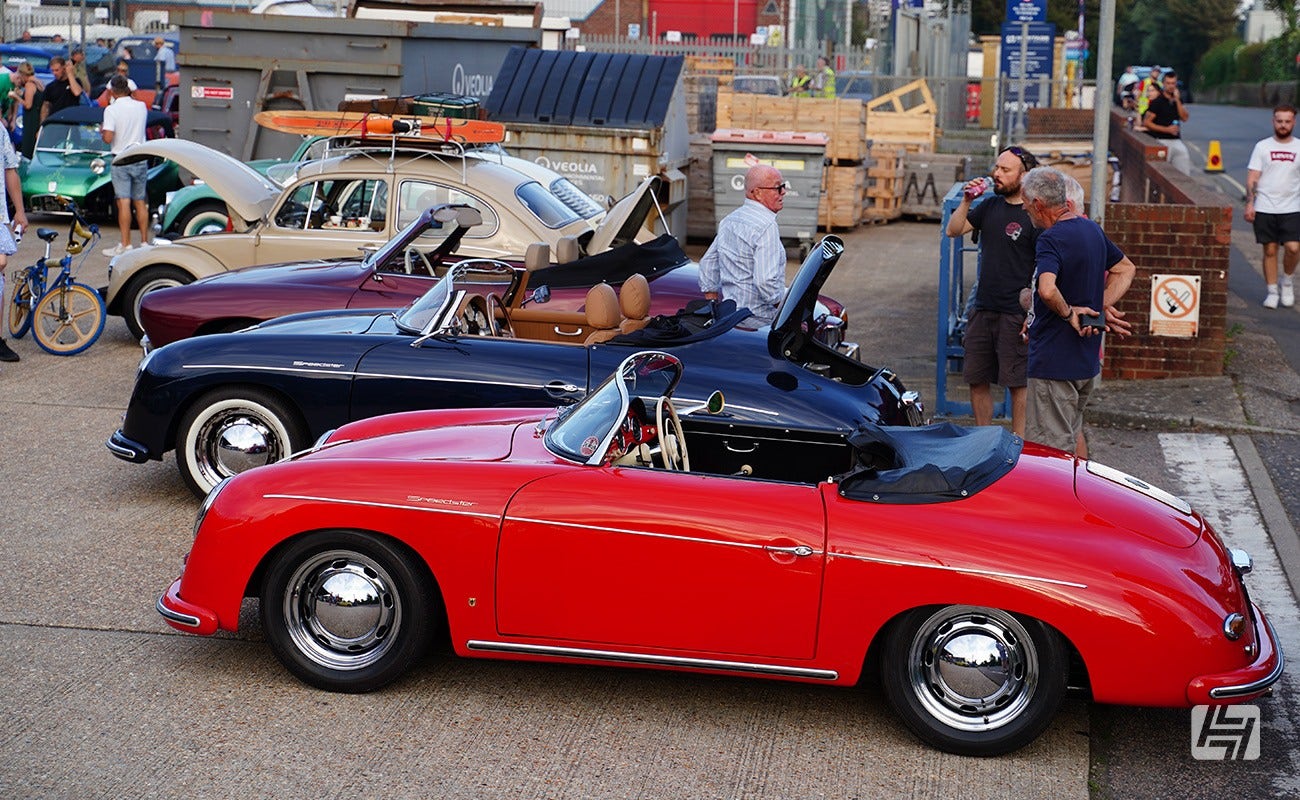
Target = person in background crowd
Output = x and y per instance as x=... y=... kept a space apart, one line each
x=63 y=92
x=824 y=79
x=1164 y=119
x=1145 y=96
x=79 y=72
x=1126 y=88
x=1073 y=257
x=124 y=125
x=164 y=55
x=995 y=350
x=9 y=188
x=1273 y=204
x=28 y=101
x=801 y=85
x=746 y=262
x=7 y=97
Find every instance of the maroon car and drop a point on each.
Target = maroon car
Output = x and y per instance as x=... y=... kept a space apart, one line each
x=400 y=271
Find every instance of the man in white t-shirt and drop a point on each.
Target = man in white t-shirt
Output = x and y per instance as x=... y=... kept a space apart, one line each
x=124 y=125
x=1273 y=204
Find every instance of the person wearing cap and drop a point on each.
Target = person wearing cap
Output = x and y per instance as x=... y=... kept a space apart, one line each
x=124 y=125
x=79 y=72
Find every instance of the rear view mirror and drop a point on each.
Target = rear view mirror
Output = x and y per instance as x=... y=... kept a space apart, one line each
x=716 y=403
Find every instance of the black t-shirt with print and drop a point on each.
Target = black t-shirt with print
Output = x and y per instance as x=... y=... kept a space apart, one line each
x=1007 y=240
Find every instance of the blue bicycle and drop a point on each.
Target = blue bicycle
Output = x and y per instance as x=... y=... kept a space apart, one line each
x=65 y=316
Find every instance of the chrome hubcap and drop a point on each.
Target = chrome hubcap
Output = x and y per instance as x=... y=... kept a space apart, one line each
x=243 y=443
x=341 y=611
x=974 y=669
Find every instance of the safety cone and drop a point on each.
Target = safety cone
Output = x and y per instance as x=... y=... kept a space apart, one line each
x=1214 y=160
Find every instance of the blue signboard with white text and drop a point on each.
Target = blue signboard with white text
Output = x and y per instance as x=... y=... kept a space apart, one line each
x=1026 y=10
x=1039 y=52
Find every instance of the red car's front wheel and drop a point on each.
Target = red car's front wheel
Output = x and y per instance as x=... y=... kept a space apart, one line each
x=346 y=612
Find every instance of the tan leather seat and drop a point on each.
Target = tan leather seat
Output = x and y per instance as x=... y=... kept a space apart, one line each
x=603 y=315
x=634 y=301
x=537 y=256
x=567 y=250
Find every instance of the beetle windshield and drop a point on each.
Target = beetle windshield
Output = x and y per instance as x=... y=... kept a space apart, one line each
x=584 y=433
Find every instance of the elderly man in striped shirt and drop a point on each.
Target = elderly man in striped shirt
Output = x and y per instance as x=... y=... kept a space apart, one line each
x=746 y=262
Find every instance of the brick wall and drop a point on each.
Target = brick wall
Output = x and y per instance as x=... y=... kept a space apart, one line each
x=1060 y=123
x=1180 y=239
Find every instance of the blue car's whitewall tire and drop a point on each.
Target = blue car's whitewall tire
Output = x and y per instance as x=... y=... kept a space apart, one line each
x=231 y=430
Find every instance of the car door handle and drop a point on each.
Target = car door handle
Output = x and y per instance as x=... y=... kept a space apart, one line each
x=562 y=389
x=753 y=446
x=801 y=550
x=559 y=332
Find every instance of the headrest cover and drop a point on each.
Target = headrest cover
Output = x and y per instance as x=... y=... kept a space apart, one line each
x=602 y=307
x=634 y=297
x=537 y=256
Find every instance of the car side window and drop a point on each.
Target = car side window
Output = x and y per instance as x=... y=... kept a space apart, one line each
x=341 y=203
x=415 y=196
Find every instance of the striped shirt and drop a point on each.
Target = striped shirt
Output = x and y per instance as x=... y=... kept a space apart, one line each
x=746 y=263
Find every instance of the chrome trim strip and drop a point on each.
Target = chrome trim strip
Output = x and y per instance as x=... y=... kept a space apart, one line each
x=1223 y=692
x=644 y=658
x=354 y=374
x=188 y=620
x=376 y=504
x=648 y=534
x=965 y=570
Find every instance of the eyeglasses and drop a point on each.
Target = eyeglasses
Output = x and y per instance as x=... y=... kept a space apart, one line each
x=1027 y=159
x=780 y=188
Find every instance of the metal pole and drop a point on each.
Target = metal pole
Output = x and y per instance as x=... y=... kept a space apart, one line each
x=1018 y=120
x=1101 y=110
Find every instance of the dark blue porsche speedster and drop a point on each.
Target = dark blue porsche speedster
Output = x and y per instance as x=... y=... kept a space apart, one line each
x=230 y=402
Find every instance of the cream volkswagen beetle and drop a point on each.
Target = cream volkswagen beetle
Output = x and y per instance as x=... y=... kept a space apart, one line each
x=359 y=198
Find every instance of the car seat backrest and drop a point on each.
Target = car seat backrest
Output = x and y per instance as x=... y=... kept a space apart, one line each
x=634 y=302
x=567 y=250
x=603 y=314
x=537 y=256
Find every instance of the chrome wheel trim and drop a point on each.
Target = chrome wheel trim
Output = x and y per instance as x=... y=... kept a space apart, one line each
x=341 y=611
x=151 y=285
x=973 y=669
x=232 y=436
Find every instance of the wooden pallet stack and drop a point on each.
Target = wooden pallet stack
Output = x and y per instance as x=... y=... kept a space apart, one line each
x=904 y=118
x=843 y=120
x=885 y=191
x=701 y=222
x=702 y=77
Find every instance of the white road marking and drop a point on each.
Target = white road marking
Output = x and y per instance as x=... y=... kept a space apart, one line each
x=1210 y=477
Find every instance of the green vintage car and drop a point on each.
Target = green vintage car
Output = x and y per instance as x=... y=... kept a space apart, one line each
x=72 y=160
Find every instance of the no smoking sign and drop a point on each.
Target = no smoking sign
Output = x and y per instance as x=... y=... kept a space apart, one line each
x=1175 y=305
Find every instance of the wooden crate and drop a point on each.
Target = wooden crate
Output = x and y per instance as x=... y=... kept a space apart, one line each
x=843 y=189
x=723 y=68
x=701 y=222
x=904 y=117
x=885 y=175
x=843 y=120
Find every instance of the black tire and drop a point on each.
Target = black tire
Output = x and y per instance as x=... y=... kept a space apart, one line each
x=148 y=280
x=209 y=216
x=347 y=612
x=989 y=708
x=231 y=430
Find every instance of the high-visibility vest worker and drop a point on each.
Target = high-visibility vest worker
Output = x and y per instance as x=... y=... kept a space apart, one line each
x=824 y=82
x=801 y=84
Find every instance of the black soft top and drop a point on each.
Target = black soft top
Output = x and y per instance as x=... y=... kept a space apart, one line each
x=701 y=319
x=614 y=266
x=930 y=464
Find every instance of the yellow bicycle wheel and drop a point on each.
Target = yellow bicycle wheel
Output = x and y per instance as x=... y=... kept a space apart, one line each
x=20 y=305
x=68 y=319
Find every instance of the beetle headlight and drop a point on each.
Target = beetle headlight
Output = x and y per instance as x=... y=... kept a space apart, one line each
x=98 y=166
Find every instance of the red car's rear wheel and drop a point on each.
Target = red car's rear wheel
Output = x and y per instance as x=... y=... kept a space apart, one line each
x=346 y=612
x=974 y=681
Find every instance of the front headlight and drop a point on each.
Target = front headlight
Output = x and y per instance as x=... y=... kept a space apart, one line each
x=98 y=166
x=207 y=504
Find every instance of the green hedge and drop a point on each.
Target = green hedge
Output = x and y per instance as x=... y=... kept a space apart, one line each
x=1231 y=61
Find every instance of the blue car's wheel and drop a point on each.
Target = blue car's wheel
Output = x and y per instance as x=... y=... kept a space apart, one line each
x=347 y=612
x=974 y=681
x=231 y=430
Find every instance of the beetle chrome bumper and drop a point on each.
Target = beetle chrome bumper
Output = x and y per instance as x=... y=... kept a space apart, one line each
x=1245 y=683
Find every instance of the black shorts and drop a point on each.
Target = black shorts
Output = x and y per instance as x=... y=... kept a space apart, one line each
x=1275 y=228
x=995 y=353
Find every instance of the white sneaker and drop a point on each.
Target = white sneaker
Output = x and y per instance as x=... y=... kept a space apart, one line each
x=113 y=252
x=1288 y=292
x=143 y=245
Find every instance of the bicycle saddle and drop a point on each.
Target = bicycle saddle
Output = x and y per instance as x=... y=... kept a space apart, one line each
x=47 y=234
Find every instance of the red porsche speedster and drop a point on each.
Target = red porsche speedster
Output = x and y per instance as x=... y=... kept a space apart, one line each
x=983 y=575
